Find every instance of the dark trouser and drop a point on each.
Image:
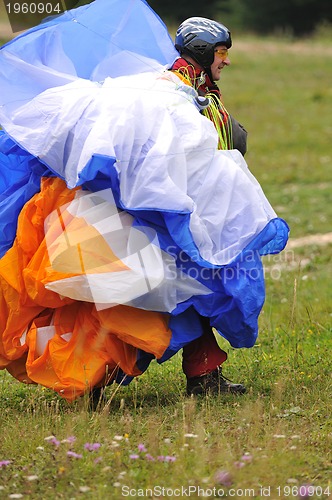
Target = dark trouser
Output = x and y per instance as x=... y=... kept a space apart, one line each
x=202 y=355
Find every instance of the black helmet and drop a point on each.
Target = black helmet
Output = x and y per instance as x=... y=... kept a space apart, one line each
x=198 y=37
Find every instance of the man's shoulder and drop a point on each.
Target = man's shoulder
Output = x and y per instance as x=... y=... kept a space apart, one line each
x=179 y=63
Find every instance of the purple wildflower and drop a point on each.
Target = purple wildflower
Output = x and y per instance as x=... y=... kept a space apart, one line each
x=223 y=477
x=92 y=446
x=247 y=458
x=4 y=463
x=72 y=454
x=69 y=440
x=161 y=458
x=141 y=448
x=239 y=465
x=134 y=456
x=169 y=458
x=149 y=457
x=53 y=440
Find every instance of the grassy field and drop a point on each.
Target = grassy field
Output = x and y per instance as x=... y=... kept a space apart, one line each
x=150 y=440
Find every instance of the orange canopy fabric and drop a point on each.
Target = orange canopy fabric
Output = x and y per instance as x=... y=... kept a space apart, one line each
x=66 y=345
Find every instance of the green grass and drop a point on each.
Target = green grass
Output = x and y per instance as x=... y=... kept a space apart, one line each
x=282 y=426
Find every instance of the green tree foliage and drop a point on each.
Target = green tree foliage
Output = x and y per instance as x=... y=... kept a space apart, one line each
x=298 y=17
x=175 y=12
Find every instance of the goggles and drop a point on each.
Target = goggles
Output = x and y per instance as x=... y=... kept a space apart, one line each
x=222 y=53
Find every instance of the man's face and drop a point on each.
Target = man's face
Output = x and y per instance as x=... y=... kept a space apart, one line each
x=221 y=59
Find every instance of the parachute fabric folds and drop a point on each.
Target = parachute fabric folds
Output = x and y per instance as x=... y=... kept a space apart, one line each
x=113 y=274
x=79 y=342
x=101 y=39
x=121 y=220
x=163 y=153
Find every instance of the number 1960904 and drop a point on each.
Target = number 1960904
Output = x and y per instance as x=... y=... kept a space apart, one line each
x=34 y=8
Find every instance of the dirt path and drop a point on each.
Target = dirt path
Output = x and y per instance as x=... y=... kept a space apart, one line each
x=313 y=239
x=275 y=46
x=288 y=260
x=5 y=30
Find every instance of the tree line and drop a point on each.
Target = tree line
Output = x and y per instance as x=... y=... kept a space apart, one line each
x=294 y=17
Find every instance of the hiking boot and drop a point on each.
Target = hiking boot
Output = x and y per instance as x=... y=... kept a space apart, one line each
x=213 y=383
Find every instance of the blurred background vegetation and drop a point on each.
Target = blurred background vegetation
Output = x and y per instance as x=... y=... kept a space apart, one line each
x=298 y=18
